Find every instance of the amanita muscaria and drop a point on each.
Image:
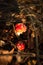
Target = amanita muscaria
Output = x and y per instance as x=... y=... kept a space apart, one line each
x=20 y=46
x=20 y=28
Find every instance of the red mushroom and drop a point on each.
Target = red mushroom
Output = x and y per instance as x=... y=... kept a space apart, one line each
x=20 y=46
x=20 y=28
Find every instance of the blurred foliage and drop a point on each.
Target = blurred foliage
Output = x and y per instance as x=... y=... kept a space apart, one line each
x=27 y=11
